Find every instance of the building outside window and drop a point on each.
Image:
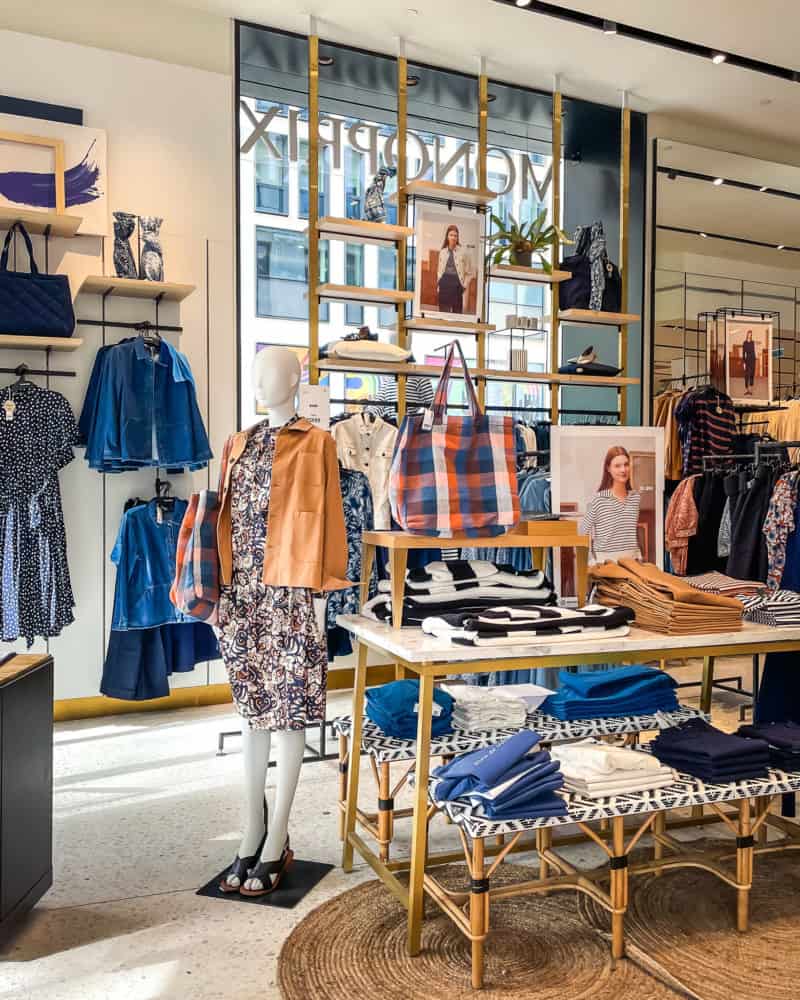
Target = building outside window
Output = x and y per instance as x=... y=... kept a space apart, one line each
x=354 y=183
x=282 y=273
x=272 y=177
x=354 y=275
x=324 y=180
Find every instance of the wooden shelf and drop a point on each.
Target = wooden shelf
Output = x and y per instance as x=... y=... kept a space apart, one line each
x=359 y=229
x=529 y=275
x=352 y=293
x=446 y=192
x=447 y=325
x=594 y=318
x=489 y=374
x=19 y=342
x=38 y=223
x=134 y=288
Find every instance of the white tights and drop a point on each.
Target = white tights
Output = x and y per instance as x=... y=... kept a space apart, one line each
x=290 y=746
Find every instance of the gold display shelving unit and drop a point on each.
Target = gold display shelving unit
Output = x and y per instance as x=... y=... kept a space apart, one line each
x=398 y=234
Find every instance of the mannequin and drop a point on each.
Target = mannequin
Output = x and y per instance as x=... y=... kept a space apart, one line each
x=275 y=378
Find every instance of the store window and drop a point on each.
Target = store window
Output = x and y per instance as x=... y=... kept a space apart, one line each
x=354 y=183
x=272 y=177
x=282 y=274
x=354 y=275
x=387 y=278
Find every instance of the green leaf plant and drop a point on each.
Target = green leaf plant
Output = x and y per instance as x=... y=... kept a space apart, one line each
x=507 y=243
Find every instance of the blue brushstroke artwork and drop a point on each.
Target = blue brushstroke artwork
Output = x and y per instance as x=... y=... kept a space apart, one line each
x=38 y=190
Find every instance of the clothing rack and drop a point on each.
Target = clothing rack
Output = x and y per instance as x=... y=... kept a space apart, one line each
x=23 y=370
x=721 y=459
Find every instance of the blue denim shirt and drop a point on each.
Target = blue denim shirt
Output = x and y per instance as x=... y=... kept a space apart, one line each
x=144 y=555
x=142 y=411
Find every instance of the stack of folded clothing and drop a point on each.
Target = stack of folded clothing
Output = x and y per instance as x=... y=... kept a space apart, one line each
x=443 y=588
x=596 y=770
x=709 y=754
x=480 y=709
x=780 y=609
x=719 y=583
x=509 y=780
x=393 y=708
x=782 y=738
x=604 y=694
x=662 y=602
x=512 y=626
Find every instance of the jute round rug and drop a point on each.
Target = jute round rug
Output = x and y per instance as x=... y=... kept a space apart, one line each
x=353 y=948
x=682 y=926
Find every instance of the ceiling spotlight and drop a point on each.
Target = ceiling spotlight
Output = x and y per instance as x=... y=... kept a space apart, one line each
x=763 y=189
x=704 y=235
x=326 y=60
x=780 y=246
x=718 y=57
x=412 y=80
x=490 y=98
x=523 y=3
x=609 y=27
x=718 y=181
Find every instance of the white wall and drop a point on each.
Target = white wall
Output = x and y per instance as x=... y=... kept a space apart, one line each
x=170 y=153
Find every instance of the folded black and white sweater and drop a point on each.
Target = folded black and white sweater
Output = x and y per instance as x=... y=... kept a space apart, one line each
x=471 y=570
x=419 y=607
x=513 y=625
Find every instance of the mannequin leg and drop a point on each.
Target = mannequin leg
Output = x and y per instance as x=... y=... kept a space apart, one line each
x=289 y=750
x=255 y=753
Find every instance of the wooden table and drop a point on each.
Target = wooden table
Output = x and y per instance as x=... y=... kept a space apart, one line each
x=538 y=536
x=428 y=657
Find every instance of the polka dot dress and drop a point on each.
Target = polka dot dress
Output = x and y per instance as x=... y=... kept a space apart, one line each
x=37 y=432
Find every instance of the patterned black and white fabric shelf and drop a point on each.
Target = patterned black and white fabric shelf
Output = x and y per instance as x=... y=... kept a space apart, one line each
x=386 y=749
x=684 y=793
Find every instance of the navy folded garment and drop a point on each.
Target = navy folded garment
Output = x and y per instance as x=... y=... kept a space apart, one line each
x=547 y=804
x=698 y=738
x=393 y=708
x=486 y=767
x=781 y=735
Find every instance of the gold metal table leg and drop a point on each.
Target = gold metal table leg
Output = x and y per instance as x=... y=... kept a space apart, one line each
x=367 y=560
x=582 y=573
x=419 y=831
x=353 y=770
x=708 y=682
x=343 y=752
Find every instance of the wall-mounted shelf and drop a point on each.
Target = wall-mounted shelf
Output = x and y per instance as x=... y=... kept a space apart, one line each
x=490 y=374
x=594 y=318
x=352 y=293
x=19 y=342
x=134 y=288
x=446 y=192
x=359 y=229
x=447 y=325
x=530 y=275
x=40 y=223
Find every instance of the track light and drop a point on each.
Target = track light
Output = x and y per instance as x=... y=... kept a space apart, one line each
x=718 y=181
x=718 y=58
x=780 y=246
x=326 y=60
x=412 y=80
x=762 y=189
x=704 y=235
x=609 y=27
x=523 y=3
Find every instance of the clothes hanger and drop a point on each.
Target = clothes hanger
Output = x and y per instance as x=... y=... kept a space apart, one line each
x=164 y=501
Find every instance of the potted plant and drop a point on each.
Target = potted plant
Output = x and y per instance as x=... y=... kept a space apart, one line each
x=516 y=244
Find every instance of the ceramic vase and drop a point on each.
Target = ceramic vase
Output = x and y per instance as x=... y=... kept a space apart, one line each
x=151 y=256
x=124 y=261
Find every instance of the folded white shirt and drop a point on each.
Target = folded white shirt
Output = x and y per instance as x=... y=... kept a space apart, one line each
x=591 y=759
x=608 y=789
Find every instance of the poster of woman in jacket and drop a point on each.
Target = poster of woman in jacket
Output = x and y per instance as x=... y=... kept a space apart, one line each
x=449 y=273
x=748 y=359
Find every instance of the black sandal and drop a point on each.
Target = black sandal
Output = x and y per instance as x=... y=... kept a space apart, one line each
x=241 y=866
x=269 y=873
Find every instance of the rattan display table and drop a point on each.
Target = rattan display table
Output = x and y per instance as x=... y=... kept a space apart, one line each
x=538 y=536
x=427 y=657
x=384 y=751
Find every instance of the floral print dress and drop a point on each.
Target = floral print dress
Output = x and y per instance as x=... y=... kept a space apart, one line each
x=269 y=637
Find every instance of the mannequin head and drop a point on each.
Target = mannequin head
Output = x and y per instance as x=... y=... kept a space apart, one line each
x=275 y=378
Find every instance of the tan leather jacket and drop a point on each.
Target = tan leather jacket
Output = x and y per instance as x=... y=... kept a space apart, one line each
x=306 y=544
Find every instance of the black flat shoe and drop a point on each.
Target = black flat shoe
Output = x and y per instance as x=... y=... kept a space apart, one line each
x=269 y=873
x=241 y=866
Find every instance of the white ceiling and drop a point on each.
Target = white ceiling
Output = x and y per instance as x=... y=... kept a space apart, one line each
x=528 y=48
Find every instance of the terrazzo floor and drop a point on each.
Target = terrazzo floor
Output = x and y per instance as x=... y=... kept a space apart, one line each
x=145 y=813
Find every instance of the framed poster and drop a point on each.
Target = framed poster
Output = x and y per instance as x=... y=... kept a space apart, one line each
x=748 y=359
x=448 y=278
x=611 y=480
x=27 y=171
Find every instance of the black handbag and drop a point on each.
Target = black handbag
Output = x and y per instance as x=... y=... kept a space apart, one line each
x=33 y=304
x=578 y=292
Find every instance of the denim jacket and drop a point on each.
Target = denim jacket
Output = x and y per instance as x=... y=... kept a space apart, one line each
x=144 y=555
x=142 y=411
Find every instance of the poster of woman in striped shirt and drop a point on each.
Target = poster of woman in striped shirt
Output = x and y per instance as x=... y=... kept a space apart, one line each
x=611 y=480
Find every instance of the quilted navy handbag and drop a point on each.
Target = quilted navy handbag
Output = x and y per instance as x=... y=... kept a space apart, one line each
x=33 y=304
